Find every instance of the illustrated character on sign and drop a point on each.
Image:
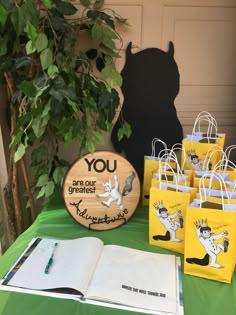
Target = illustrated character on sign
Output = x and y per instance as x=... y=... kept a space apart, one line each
x=114 y=191
x=196 y=163
x=208 y=241
x=167 y=220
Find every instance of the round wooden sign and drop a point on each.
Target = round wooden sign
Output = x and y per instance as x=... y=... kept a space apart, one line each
x=101 y=190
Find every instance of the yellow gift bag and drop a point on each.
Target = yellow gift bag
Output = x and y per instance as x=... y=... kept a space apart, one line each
x=167 y=208
x=210 y=240
x=226 y=170
x=198 y=145
x=151 y=163
x=167 y=173
x=211 y=135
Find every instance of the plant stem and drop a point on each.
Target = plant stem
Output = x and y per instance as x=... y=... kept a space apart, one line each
x=27 y=186
x=10 y=213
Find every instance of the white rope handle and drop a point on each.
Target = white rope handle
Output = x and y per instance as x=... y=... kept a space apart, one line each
x=165 y=166
x=154 y=141
x=205 y=116
x=169 y=168
x=179 y=146
x=218 y=177
x=229 y=166
x=211 y=151
x=224 y=163
x=229 y=149
x=167 y=154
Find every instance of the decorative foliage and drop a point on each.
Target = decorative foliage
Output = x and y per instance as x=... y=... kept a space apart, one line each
x=57 y=91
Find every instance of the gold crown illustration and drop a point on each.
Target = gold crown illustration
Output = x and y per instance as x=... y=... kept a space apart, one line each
x=159 y=205
x=201 y=223
x=191 y=152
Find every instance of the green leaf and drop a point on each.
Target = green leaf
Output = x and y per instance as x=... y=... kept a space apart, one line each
x=97 y=33
x=16 y=139
x=106 y=72
x=28 y=88
x=41 y=42
x=52 y=71
x=46 y=110
x=49 y=189
x=108 y=51
x=108 y=37
x=68 y=138
x=39 y=125
x=18 y=20
x=90 y=102
x=98 y=4
x=19 y=152
x=91 y=146
x=3 y=15
x=47 y=3
x=64 y=126
x=98 y=137
x=88 y=119
x=65 y=8
x=59 y=174
x=75 y=128
x=104 y=99
x=121 y=19
x=31 y=31
x=86 y=3
x=30 y=48
x=31 y=14
x=43 y=180
x=117 y=78
x=38 y=155
x=72 y=104
x=46 y=58
x=41 y=193
x=59 y=23
x=125 y=130
x=93 y=14
x=107 y=19
x=3 y=46
x=22 y=120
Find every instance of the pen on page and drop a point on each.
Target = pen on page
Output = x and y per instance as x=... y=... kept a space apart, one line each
x=50 y=261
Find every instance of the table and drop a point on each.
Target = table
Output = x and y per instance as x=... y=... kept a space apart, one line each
x=201 y=296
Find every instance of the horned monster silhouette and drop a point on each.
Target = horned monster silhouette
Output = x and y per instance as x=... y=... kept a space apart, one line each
x=150 y=86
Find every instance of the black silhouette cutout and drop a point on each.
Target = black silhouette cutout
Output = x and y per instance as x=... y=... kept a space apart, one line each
x=150 y=86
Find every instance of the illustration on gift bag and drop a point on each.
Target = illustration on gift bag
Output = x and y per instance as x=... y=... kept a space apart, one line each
x=196 y=163
x=113 y=191
x=168 y=221
x=212 y=248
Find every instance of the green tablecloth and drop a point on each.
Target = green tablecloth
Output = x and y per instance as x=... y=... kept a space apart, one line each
x=201 y=296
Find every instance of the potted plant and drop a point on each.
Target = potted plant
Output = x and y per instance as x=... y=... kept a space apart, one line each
x=57 y=91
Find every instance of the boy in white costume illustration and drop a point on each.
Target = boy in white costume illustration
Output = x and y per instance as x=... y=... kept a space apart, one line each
x=208 y=241
x=113 y=192
x=167 y=220
x=196 y=163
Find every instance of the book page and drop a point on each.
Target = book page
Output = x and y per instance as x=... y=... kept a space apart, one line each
x=72 y=266
x=135 y=278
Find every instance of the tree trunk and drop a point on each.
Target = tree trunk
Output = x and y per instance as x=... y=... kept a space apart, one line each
x=12 y=195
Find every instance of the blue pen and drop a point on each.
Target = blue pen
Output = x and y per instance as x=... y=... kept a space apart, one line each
x=50 y=261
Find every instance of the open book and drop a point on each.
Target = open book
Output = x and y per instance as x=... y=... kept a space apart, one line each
x=109 y=275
